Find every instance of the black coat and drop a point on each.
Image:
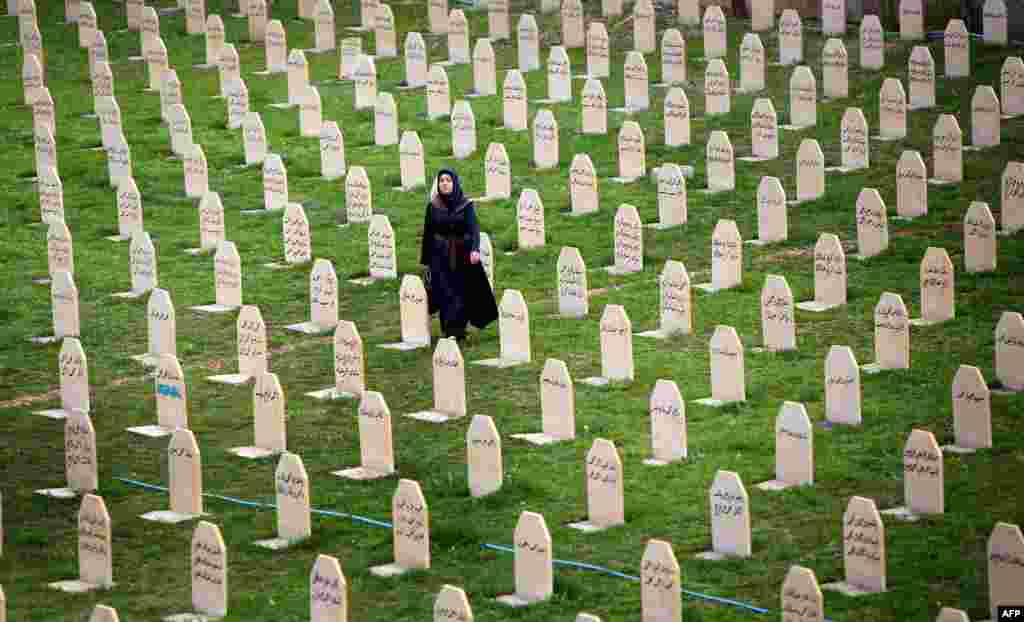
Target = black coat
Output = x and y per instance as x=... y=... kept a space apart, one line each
x=459 y=290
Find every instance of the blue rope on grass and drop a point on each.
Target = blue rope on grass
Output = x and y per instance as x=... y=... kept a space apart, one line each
x=494 y=547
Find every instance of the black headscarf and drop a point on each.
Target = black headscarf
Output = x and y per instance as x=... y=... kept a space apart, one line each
x=455 y=198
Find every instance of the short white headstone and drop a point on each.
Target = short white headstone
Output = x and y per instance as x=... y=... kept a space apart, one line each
x=721 y=163
x=752 y=63
x=872 y=224
x=911 y=186
x=842 y=387
x=605 y=498
x=921 y=78
x=483 y=457
x=715 y=33
x=957 y=44
x=358 y=196
x=872 y=43
x=730 y=517
x=376 y=444
x=593 y=108
x=778 y=318
x=668 y=424
x=528 y=37
x=835 y=68
x=794 y=449
x=514 y=101
x=717 y=88
x=937 y=287
x=573 y=295
x=791 y=38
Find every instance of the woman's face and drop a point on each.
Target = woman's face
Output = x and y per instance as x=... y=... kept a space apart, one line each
x=445 y=184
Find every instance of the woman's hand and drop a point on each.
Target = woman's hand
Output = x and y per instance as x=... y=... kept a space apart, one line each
x=474 y=257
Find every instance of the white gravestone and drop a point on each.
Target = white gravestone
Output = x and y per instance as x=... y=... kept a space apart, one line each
x=275 y=44
x=791 y=38
x=794 y=449
x=947 y=151
x=95 y=555
x=51 y=197
x=311 y=114
x=872 y=224
x=530 y=220
x=593 y=108
x=1012 y=198
x=1009 y=364
x=921 y=78
x=533 y=563
x=644 y=35
x=572 y=23
x=605 y=498
x=668 y=424
x=801 y=599
x=833 y=17
x=73 y=372
x=772 y=223
x=675 y=304
x=197 y=173
x=328 y=591
x=238 y=103
x=764 y=131
x=672 y=200
x=923 y=488
x=275 y=183
x=985 y=118
x=195 y=17
x=583 y=185
x=513 y=330
x=979 y=239
x=463 y=130
x=1011 y=87
x=972 y=411
x=938 y=287
x=752 y=63
x=411 y=161
x=324 y=26
x=358 y=196
x=483 y=457
x=215 y=40
x=295 y=236
x=528 y=37
x=598 y=51
x=911 y=13
x=410 y=531
x=376 y=441
x=161 y=327
x=892 y=111
x=498 y=25
x=437 y=14
x=762 y=15
x=485 y=82
x=688 y=14
x=632 y=153
x=557 y=405
x=892 y=334
x=251 y=337
x=298 y=77
x=415 y=316
x=514 y=102
x=366 y=83
x=721 y=163
x=109 y=113
x=323 y=300
x=349 y=364
x=184 y=480
x=872 y=43
x=957 y=45
x=458 y=38
x=854 y=141
x=545 y=140
x=778 y=318
x=80 y=468
x=994 y=22
x=64 y=307
x=32 y=78
x=129 y=210
x=573 y=295
x=673 y=58
x=636 y=83
x=451 y=604
x=497 y=173
x=254 y=136
x=728 y=376
x=717 y=88
x=715 y=33
x=209 y=559
x=863 y=550
x=842 y=387
x=60 y=254
x=268 y=419
x=439 y=103
x=449 y=384
x=726 y=258
x=730 y=517
x=835 y=67
x=385 y=121
x=415 y=61
x=257 y=22
x=291 y=485
x=911 y=186
x=803 y=99
x=332 y=151
x=629 y=245
x=227 y=280
x=616 y=347
x=1005 y=566
x=559 y=77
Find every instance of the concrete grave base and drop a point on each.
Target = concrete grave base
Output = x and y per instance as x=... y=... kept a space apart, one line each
x=499 y=363
x=708 y=288
x=118 y=238
x=902 y=513
x=433 y=416
x=276 y=544
x=57 y=493
x=539 y=438
x=45 y=340
x=625 y=180
x=923 y=322
x=587 y=527
x=233 y=379
x=847 y=589
x=78 y=587
x=193 y=617
x=661 y=227
x=842 y=170
x=713 y=403
x=956 y=449
x=404 y=346
x=515 y=600
x=168 y=518
x=388 y=570
x=198 y=251
x=53 y=413
x=774 y=485
x=361 y=473
x=147 y=360
x=309 y=328
x=129 y=295
x=761 y=242
x=332 y=393
x=814 y=307
x=873 y=368
x=655 y=334
x=215 y=308
x=932 y=181
x=887 y=139
x=596 y=381
x=253 y=453
x=714 y=556
x=755 y=159
x=152 y=431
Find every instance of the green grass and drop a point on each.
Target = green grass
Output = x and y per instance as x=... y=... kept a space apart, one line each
x=938 y=562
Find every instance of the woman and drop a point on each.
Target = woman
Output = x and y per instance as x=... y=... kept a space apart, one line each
x=451 y=251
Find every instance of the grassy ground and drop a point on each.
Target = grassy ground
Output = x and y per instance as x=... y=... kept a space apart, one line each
x=938 y=562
